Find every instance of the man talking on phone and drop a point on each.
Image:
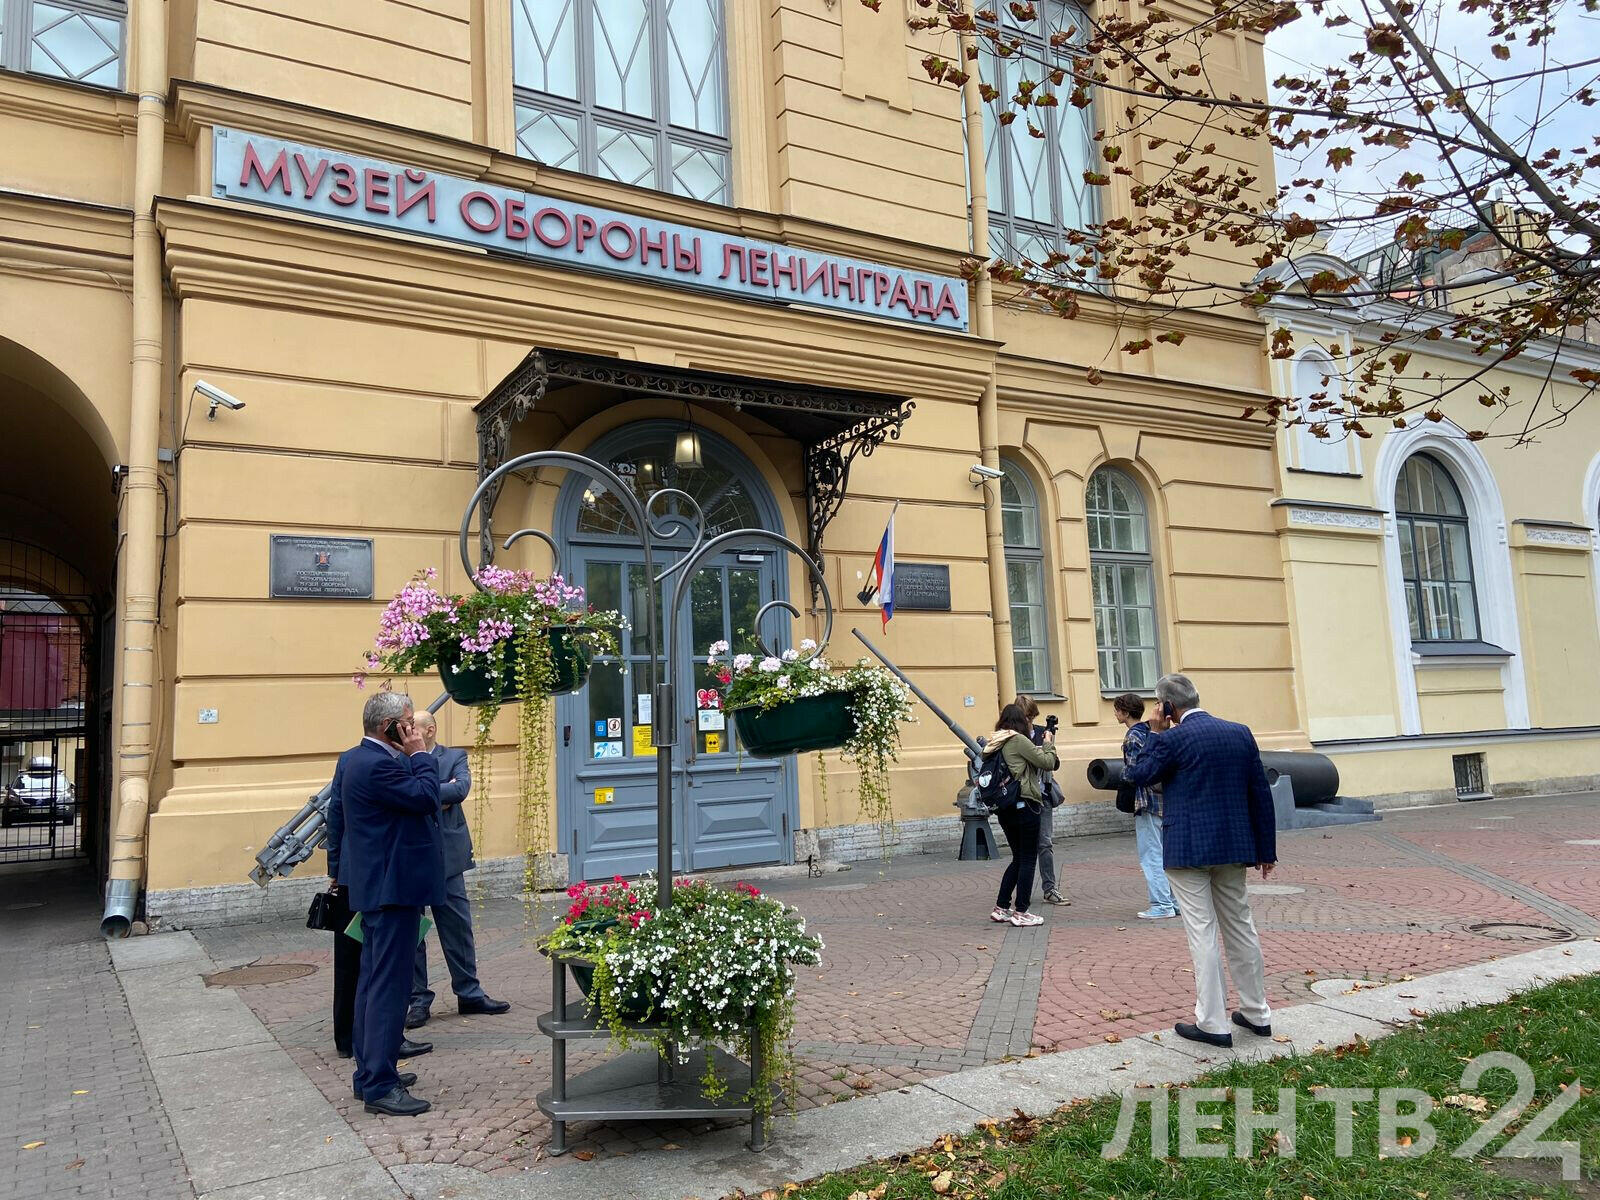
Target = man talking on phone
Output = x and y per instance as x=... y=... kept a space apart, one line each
x=392 y=861
x=1217 y=820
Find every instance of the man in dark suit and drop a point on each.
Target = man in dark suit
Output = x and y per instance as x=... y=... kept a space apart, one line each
x=392 y=860
x=453 y=918
x=1217 y=820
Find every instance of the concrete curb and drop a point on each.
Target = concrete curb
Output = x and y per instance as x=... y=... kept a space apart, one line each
x=841 y=1136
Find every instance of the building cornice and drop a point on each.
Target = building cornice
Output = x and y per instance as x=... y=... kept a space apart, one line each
x=273 y=259
x=64 y=103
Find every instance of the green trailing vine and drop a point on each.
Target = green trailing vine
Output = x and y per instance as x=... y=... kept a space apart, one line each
x=535 y=671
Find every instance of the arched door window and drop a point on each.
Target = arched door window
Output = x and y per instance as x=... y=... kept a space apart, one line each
x=1030 y=636
x=1435 y=553
x=1122 y=579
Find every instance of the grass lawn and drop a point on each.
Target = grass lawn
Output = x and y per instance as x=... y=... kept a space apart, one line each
x=1555 y=1029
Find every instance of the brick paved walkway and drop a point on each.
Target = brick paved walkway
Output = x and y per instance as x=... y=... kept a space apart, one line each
x=75 y=1075
x=916 y=982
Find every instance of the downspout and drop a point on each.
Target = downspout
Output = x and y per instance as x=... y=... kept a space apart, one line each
x=989 y=402
x=137 y=615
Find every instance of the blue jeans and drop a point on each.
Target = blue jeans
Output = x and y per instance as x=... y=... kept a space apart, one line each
x=1147 y=836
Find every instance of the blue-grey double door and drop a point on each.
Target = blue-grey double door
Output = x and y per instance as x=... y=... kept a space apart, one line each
x=729 y=809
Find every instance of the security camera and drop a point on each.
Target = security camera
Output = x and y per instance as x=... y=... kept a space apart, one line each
x=982 y=472
x=218 y=399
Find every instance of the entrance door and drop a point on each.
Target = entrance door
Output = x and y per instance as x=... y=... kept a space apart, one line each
x=729 y=809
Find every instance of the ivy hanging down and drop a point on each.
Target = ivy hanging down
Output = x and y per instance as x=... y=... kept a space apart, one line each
x=879 y=704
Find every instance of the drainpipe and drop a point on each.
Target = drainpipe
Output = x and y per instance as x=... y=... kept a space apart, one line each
x=141 y=581
x=989 y=403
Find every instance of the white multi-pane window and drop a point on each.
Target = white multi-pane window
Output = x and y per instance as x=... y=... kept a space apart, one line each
x=1036 y=187
x=80 y=40
x=1030 y=631
x=1435 y=553
x=631 y=90
x=1122 y=579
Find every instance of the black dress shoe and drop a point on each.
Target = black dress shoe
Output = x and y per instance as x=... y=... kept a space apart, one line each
x=416 y=1016
x=1258 y=1030
x=482 y=1004
x=398 y=1103
x=1195 y=1034
x=407 y=1078
x=342 y=1053
x=410 y=1049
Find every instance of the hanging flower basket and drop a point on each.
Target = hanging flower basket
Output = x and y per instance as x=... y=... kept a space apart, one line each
x=806 y=723
x=470 y=683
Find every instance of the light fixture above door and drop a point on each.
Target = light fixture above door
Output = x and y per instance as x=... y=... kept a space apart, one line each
x=686 y=452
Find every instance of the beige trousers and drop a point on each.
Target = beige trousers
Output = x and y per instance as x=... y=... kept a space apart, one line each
x=1213 y=902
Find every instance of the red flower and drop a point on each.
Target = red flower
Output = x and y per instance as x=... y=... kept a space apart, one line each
x=724 y=675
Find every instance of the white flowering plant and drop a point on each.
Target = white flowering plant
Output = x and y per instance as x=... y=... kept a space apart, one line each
x=879 y=705
x=716 y=966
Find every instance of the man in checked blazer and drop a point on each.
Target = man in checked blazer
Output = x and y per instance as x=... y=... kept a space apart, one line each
x=1217 y=821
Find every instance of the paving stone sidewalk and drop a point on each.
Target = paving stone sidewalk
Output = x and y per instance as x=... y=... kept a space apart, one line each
x=917 y=984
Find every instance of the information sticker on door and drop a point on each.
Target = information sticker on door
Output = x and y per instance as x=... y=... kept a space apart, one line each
x=712 y=718
x=613 y=728
x=608 y=750
x=641 y=742
x=713 y=743
x=605 y=795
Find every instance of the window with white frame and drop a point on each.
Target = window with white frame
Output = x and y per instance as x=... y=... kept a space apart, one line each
x=631 y=90
x=1122 y=581
x=80 y=40
x=1435 y=553
x=1024 y=542
x=1316 y=381
x=1037 y=193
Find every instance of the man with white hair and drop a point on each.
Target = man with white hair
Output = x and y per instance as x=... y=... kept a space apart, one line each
x=1217 y=821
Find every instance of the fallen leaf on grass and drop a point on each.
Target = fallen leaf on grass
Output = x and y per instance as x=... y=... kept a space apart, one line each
x=861 y=1085
x=942 y=1183
x=995 y=1180
x=583 y=1155
x=1419 y=1012
x=1471 y=1103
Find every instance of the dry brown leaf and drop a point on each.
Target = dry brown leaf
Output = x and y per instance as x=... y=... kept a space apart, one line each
x=1403 y=1140
x=1280 y=1037
x=31 y=1145
x=770 y=1194
x=942 y=1183
x=879 y=1192
x=1113 y=1038
x=861 y=1085
x=1471 y=1103
x=1419 y=1012
x=73 y=1165
x=995 y=1180
x=583 y=1155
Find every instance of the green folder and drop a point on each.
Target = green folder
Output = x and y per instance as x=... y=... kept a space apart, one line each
x=353 y=930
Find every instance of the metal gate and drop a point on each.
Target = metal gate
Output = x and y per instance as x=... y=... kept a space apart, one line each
x=46 y=771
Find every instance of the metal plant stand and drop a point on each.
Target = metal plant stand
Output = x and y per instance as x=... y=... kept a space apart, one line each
x=643 y=1085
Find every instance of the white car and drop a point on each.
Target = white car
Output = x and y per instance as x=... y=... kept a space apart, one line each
x=39 y=793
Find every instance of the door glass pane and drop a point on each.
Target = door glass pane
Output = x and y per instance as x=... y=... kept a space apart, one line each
x=622 y=56
x=744 y=601
x=603 y=585
x=710 y=731
x=608 y=730
x=641 y=688
x=705 y=612
x=638 y=610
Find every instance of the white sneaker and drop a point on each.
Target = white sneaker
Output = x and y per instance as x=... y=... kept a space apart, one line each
x=1021 y=919
x=1000 y=915
x=1156 y=914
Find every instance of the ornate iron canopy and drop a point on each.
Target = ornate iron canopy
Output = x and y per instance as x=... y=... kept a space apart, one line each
x=833 y=426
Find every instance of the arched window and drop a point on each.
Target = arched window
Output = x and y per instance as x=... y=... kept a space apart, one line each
x=1315 y=382
x=1122 y=578
x=1030 y=629
x=1435 y=553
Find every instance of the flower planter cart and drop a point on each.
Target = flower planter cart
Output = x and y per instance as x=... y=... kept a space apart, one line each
x=642 y=1085
x=639 y=1085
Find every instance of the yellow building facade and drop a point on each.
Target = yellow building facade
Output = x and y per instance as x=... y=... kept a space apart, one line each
x=1443 y=589
x=413 y=239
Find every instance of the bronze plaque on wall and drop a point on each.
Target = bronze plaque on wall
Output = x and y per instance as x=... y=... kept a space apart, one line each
x=321 y=568
x=923 y=587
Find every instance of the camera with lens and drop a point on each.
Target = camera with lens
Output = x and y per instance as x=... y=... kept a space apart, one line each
x=1051 y=723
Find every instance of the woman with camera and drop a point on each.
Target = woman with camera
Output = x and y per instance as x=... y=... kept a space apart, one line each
x=1050 y=796
x=1013 y=742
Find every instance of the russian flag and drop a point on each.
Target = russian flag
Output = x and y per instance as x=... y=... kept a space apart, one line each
x=883 y=571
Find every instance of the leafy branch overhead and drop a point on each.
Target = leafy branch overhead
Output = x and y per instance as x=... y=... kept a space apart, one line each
x=1436 y=166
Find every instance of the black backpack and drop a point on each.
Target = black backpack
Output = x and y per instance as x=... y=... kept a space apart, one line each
x=994 y=785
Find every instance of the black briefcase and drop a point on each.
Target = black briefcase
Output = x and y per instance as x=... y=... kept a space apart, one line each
x=325 y=912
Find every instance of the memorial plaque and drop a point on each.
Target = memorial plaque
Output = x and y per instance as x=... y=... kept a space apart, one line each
x=922 y=587
x=321 y=568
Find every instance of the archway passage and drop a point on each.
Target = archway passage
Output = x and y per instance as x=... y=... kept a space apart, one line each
x=57 y=539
